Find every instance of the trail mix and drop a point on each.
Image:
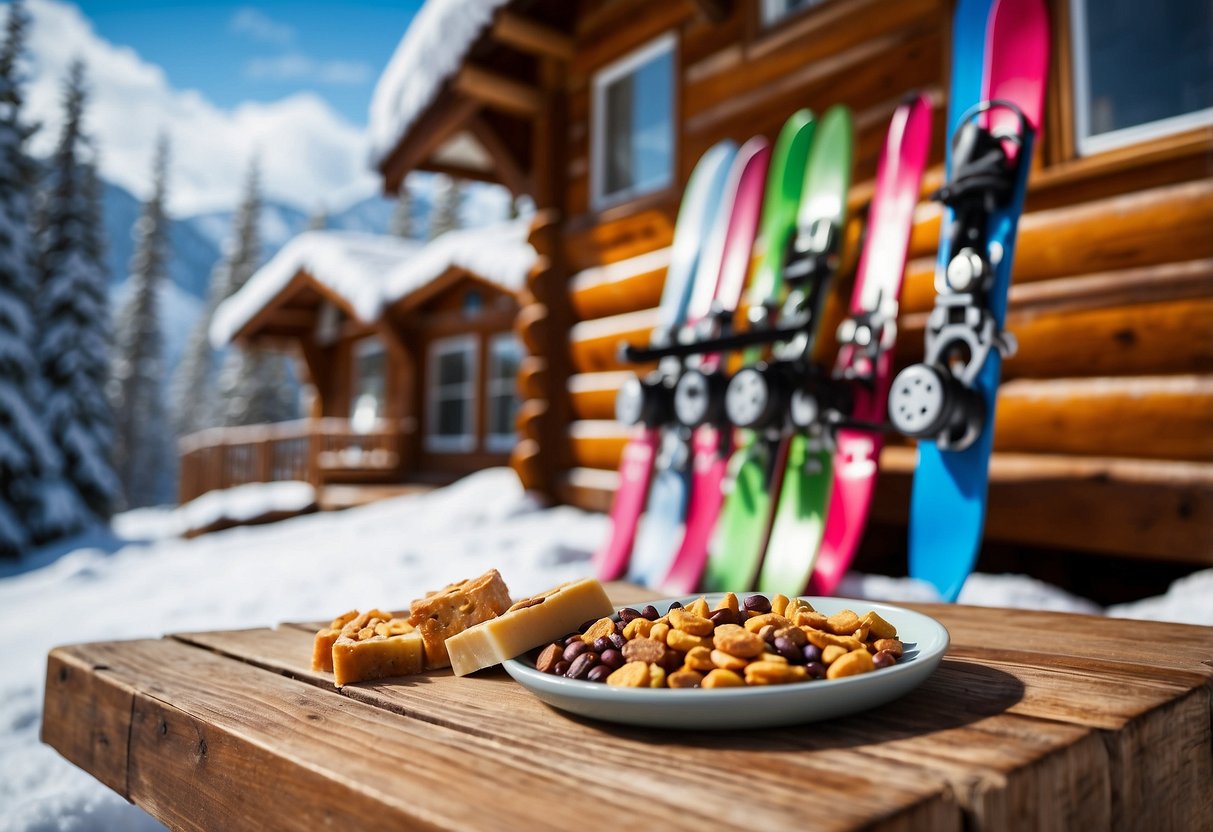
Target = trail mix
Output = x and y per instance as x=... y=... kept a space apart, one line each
x=758 y=641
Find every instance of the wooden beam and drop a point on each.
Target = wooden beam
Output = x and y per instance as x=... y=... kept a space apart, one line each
x=532 y=36
x=498 y=91
x=715 y=11
x=442 y=121
x=505 y=164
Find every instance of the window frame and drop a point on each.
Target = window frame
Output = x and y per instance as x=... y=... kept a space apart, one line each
x=466 y=441
x=371 y=344
x=666 y=42
x=499 y=442
x=1086 y=145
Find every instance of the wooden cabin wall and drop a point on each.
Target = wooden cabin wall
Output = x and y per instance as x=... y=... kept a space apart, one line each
x=1104 y=429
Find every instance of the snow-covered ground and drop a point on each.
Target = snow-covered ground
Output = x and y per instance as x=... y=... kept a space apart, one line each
x=313 y=567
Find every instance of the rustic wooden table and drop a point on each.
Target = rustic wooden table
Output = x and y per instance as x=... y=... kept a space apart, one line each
x=1033 y=721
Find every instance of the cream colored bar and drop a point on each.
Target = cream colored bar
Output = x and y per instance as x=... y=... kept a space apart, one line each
x=528 y=624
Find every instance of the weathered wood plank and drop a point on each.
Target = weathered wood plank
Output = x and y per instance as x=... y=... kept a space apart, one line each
x=87 y=719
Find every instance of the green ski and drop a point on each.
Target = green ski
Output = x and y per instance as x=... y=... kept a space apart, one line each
x=746 y=508
x=796 y=468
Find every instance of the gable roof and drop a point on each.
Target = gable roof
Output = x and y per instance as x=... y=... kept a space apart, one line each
x=369 y=271
x=430 y=52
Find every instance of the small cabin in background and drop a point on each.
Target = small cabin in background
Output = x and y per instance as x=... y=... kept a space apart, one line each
x=409 y=352
x=599 y=109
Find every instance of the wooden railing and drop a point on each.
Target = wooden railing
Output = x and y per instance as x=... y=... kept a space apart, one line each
x=308 y=450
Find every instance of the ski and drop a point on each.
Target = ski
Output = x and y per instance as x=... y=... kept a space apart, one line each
x=642 y=402
x=757 y=469
x=867 y=338
x=699 y=397
x=947 y=402
x=724 y=263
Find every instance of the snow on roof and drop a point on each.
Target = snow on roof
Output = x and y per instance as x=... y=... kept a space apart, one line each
x=370 y=270
x=431 y=50
x=352 y=264
x=499 y=254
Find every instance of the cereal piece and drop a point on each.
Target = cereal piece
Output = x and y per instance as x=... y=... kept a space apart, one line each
x=637 y=628
x=660 y=630
x=656 y=676
x=853 y=663
x=861 y=633
x=736 y=641
x=772 y=657
x=684 y=679
x=795 y=606
x=833 y=653
x=322 y=644
x=892 y=645
x=779 y=604
x=699 y=658
x=721 y=678
x=601 y=627
x=689 y=622
x=454 y=608
x=810 y=618
x=878 y=627
x=729 y=602
x=645 y=650
x=822 y=640
x=773 y=673
x=842 y=623
x=757 y=622
x=728 y=662
x=631 y=675
x=685 y=642
x=699 y=607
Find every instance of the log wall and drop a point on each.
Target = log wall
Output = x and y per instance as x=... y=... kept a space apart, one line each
x=1107 y=409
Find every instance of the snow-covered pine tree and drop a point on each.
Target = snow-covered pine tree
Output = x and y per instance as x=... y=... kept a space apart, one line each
x=191 y=393
x=136 y=384
x=72 y=313
x=448 y=201
x=254 y=385
x=401 y=223
x=36 y=503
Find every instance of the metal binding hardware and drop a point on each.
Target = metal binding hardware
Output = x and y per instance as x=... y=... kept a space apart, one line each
x=936 y=399
x=871 y=333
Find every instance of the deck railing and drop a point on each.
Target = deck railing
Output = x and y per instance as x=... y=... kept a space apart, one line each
x=310 y=450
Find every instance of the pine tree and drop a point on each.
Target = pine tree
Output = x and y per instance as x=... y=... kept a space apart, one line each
x=72 y=313
x=448 y=200
x=254 y=385
x=193 y=386
x=36 y=503
x=401 y=224
x=136 y=385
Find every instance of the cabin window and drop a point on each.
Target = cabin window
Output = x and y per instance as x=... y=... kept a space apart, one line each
x=774 y=11
x=1140 y=71
x=501 y=397
x=633 y=137
x=370 y=372
x=452 y=395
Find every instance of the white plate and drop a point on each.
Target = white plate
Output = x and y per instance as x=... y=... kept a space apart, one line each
x=925 y=641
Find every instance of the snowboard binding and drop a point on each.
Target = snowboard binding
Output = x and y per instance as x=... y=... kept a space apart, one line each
x=937 y=399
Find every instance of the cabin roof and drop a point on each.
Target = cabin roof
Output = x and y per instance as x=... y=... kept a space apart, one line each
x=369 y=271
x=430 y=52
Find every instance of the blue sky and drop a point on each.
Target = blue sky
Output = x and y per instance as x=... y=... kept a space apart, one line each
x=236 y=52
x=286 y=83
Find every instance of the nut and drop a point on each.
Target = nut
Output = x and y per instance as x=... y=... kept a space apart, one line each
x=833 y=653
x=684 y=679
x=699 y=658
x=685 y=642
x=779 y=604
x=729 y=602
x=757 y=622
x=724 y=660
x=893 y=645
x=548 y=658
x=645 y=650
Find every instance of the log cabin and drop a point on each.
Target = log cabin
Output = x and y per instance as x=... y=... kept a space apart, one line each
x=598 y=109
x=408 y=349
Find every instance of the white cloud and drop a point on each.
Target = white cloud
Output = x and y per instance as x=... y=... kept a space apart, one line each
x=260 y=26
x=295 y=66
x=309 y=154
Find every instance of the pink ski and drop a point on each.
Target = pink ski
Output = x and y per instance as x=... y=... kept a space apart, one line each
x=874 y=306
